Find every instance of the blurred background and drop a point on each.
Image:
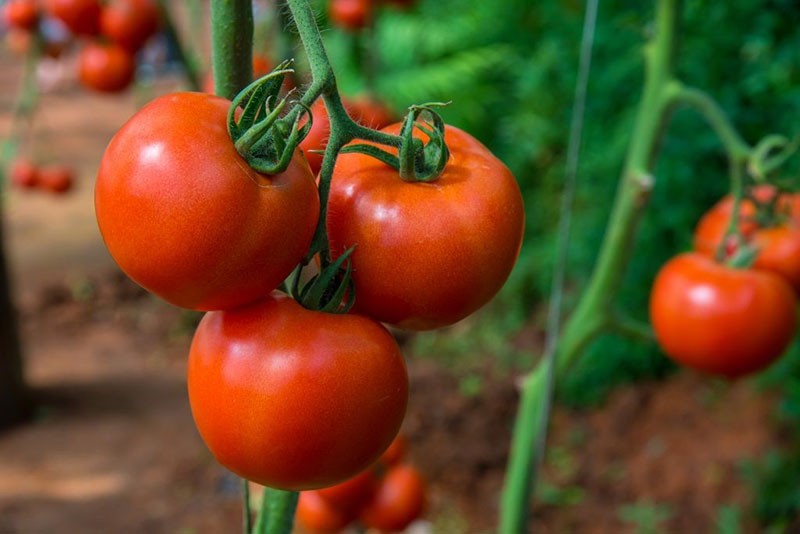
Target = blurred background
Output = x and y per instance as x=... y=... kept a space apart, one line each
x=636 y=445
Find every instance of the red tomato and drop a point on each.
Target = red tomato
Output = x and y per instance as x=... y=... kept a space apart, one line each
x=185 y=216
x=22 y=14
x=427 y=254
x=317 y=515
x=400 y=500
x=351 y=15
x=292 y=398
x=56 y=178
x=720 y=320
x=369 y=112
x=779 y=252
x=396 y=451
x=130 y=23
x=352 y=494
x=81 y=17
x=107 y=68
x=23 y=174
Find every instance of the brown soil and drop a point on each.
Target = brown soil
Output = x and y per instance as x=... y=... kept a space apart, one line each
x=113 y=447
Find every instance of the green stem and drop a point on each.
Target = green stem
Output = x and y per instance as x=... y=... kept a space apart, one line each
x=591 y=316
x=277 y=512
x=187 y=60
x=247 y=518
x=231 y=45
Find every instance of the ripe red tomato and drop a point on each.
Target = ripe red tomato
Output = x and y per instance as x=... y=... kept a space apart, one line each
x=352 y=494
x=292 y=398
x=22 y=14
x=352 y=15
x=720 y=320
x=427 y=254
x=23 y=174
x=779 y=251
x=130 y=23
x=317 y=515
x=185 y=216
x=396 y=451
x=55 y=178
x=81 y=17
x=369 y=112
x=400 y=500
x=107 y=68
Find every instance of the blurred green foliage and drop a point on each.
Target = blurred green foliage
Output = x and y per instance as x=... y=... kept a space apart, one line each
x=509 y=68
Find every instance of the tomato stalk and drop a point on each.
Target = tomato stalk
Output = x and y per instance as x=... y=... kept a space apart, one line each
x=231 y=45
x=277 y=512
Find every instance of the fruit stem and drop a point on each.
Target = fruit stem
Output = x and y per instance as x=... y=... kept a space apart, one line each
x=231 y=45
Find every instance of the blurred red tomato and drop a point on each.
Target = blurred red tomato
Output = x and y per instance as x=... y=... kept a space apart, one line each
x=399 y=501
x=23 y=174
x=351 y=495
x=81 y=17
x=56 y=178
x=130 y=23
x=352 y=15
x=318 y=515
x=107 y=68
x=22 y=14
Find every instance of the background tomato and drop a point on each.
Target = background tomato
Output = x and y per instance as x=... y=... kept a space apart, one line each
x=317 y=515
x=55 y=178
x=399 y=501
x=292 y=398
x=428 y=254
x=779 y=251
x=352 y=494
x=105 y=67
x=721 y=320
x=351 y=15
x=184 y=215
x=81 y=17
x=23 y=174
x=396 y=451
x=22 y=14
x=129 y=23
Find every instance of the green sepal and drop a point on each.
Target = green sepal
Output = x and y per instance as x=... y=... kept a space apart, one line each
x=332 y=290
x=375 y=152
x=423 y=162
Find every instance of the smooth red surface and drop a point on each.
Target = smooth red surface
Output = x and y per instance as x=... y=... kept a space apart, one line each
x=105 y=67
x=396 y=451
x=82 y=17
x=352 y=15
x=399 y=501
x=427 y=254
x=22 y=14
x=56 y=178
x=720 y=320
x=352 y=494
x=23 y=174
x=779 y=251
x=317 y=515
x=129 y=23
x=295 y=399
x=184 y=215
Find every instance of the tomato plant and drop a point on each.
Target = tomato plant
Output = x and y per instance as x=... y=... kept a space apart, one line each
x=718 y=319
x=81 y=17
x=184 y=215
x=22 y=14
x=105 y=67
x=427 y=254
x=399 y=500
x=129 y=23
x=293 y=398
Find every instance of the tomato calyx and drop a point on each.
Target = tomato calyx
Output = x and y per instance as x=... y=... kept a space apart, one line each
x=265 y=141
x=416 y=161
x=331 y=291
x=770 y=154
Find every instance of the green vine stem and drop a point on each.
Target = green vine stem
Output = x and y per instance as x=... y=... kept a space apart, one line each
x=591 y=316
x=188 y=62
x=277 y=512
x=231 y=45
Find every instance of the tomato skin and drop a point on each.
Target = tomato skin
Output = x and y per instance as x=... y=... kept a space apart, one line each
x=130 y=23
x=106 y=68
x=350 y=495
x=779 y=251
x=56 y=178
x=427 y=254
x=396 y=451
x=720 y=320
x=22 y=14
x=184 y=215
x=352 y=15
x=23 y=174
x=318 y=515
x=292 y=398
x=81 y=17
x=399 y=501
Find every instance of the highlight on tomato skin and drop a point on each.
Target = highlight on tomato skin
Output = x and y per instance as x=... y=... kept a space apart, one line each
x=292 y=398
x=721 y=320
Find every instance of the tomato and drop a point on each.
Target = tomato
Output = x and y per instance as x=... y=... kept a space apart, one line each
x=370 y=112
x=56 y=178
x=81 y=17
x=130 y=23
x=23 y=174
x=720 y=320
x=184 y=215
x=352 y=494
x=399 y=501
x=317 y=515
x=779 y=251
x=292 y=398
x=396 y=451
x=352 y=15
x=427 y=254
x=107 y=68
x=22 y=14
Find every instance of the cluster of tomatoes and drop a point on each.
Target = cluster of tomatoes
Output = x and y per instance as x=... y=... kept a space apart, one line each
x=55 y=178
x=388 y=496
x=355 y=15
x=728 y=307
x=114 y=32
x=287 y=395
